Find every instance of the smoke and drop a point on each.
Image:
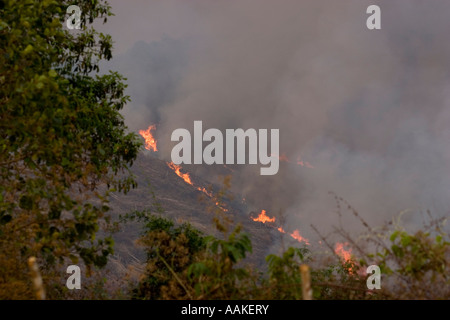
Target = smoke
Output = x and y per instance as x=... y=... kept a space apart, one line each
x=368 y=109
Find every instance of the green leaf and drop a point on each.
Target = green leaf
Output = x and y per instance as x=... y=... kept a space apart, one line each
x=394 y=235
x=397 y=251
x=52 y=73
x=65 y=162
x=406 y=240
x=28 y=49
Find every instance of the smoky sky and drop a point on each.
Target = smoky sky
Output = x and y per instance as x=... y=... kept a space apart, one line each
x=368 y=109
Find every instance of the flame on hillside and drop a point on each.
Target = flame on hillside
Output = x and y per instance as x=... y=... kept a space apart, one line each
x=150 y=141
x=186 y=177
x=300 y=162
x=304 y=163
x=296 y=235
x=151 y=144
x=203 y=189
x=177 y=170
x=263 y=217
x=344 y=254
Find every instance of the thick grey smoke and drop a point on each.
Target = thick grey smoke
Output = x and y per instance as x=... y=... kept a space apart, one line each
x=369 y=110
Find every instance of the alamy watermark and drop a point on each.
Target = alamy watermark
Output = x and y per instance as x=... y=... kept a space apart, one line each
x=213 y=153
x=74 y=281
x=74 y=21
x=374 y=280
x=374 y=21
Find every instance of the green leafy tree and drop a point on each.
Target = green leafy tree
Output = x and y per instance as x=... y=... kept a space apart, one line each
x=216 y=274
x=170 y=251
x=417 y=264
x=284 y=273
x=63 y=142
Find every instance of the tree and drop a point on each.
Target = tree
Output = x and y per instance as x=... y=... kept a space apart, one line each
x=63 y=142
x=170 y=250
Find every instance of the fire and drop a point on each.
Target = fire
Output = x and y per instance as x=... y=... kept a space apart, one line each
x=187 y=179
x=296 y=235
x=203 y=189
x=232 y=170
x=177 y=170
x=221 y=207
x=346 y=256
x=150 y=141
x=304 y=163
x=339 y=249
x=263 y=217
x=283 y=158
x=299 y=161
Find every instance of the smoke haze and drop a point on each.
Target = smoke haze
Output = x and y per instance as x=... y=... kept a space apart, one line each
x=368 y=109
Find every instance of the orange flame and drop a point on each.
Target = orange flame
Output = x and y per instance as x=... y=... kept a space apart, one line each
x=283 y=158
x=304 y=163
x=184 y=176
x=263 y=217
x=150 y=141
x=296 y=235
x=299 y=161
x=187 y=179
x=339 y=249
x=232 y=170
x=221 y=207
x=346 y=256
x=203 y=189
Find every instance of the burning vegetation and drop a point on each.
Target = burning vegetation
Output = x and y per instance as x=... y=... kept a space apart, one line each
x=151 y=144
x=177 y=170
x=264 y=218
x=342 y=252
x=299 y=161
x=150 y=141
x=350 y=273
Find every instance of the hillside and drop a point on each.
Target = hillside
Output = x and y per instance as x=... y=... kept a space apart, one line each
x=182 y=203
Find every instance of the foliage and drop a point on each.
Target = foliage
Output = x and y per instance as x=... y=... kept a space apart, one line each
x=417 y=265
x=61 y=138
x=283 y=272
x=170 y=250
x=413 y=266
x=64 y=146
x=216 y=275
